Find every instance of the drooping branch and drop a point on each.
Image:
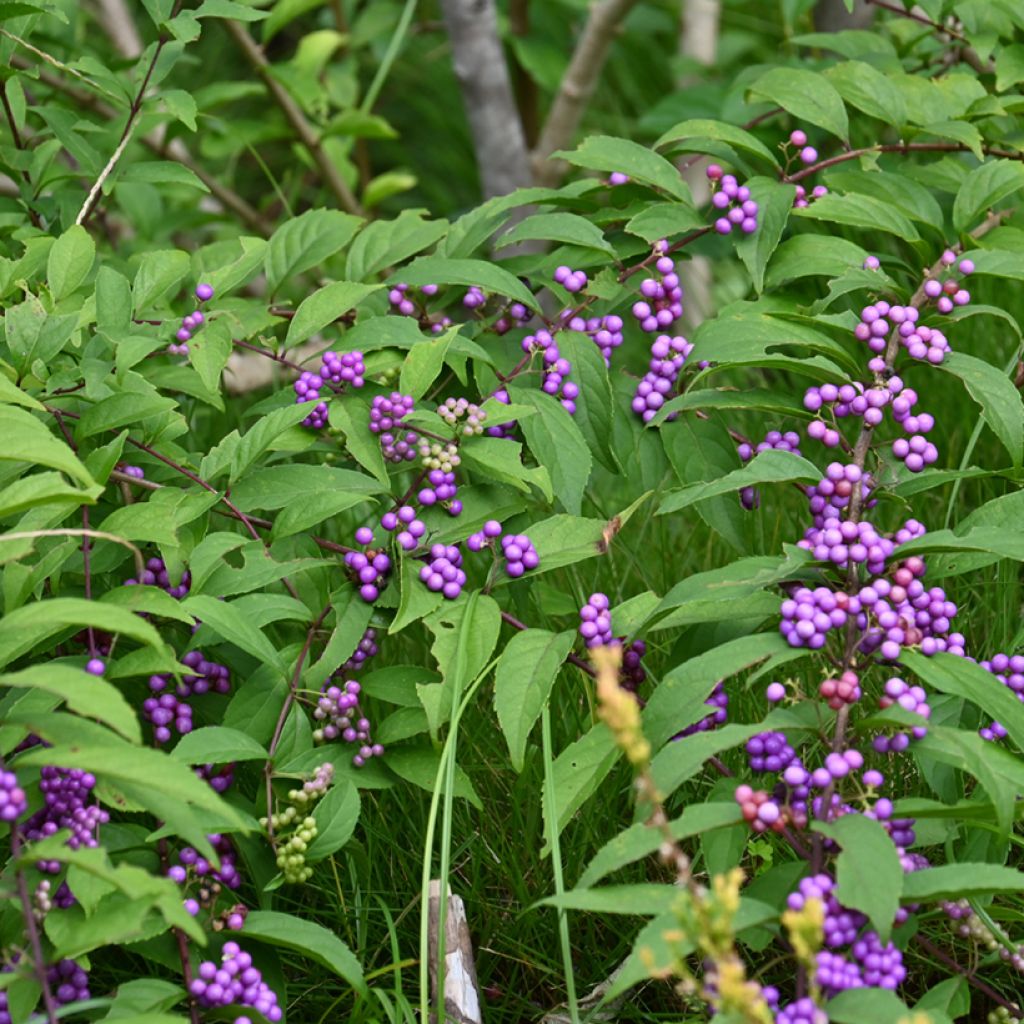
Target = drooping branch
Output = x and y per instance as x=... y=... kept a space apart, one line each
x=306 y=133
x=480 y=67
x=577 y=86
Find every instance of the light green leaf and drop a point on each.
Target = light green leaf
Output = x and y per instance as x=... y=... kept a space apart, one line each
x=305 y=242
x=488 y=276
x=325 y=306
x=983 y=188
x=70 y=260
x=26 y=439
x=217 y=744
x=523 y=679
x=700 y=130
x=603 y=153
x=228 y=622
x=807 y=95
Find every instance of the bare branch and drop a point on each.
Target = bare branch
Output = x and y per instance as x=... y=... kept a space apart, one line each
x=577 y=86
x=482 y=71
x=295 y=117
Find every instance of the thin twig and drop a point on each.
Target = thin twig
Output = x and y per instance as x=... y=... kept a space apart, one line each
x=19 y=144
x=295 y=117
x=32 y=930
x=133 y=113
x=921 y=18
x=898 y=147
x=293 y=687
x=577 y=85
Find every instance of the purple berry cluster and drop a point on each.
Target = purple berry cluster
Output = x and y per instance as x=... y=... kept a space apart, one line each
x=441 y=489
x=502 y=429
x=235 y=982
x=519 y=554
x=554 y=378
x=604 y=331
x=155 y=575
x=365 y=649
x=168 y=708
x=947 y=292
x=13 y=802
x=386 y=413
x=338 y=710
x=667 y=358
x=193 y=867
x=718 y=701
x=596 y=621
x=68 y=982
x=166 y=711
x=336 y=372
x=190 y=323
x=573 y=281
x=410 y=529
x=66 y=805
x=769 y=752
x=661 y=304
x=371 y=568
x=1009 y=671
x=732 y=202
x=443 y=572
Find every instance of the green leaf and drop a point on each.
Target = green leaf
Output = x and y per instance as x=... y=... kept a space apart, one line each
x=26 y=439
x=336 y=816
x=351 y=617
x=126 y=408
x=700 y=130
x=228 y=622
x=307 y=939
x=217 y=744
x=569 y=228
x=807 y=95
x=1001 y=405
x=209 y=351
x=983 y=188
x=386 y=243
x=603 y=153
x=859 y=211
x=646 y=898
x=424 y=363
x=1009 y=67
x=34 y=334
x=702 y=452
x=41 y=489
x=813 y=256
x=23 y=628
x=950 y=674
x=12 y=394
x=871 y=1006
x=304 y=242
x=500 y=459
x=578 y=771
x=960 y=881
x=765 y=467
x=595 y=404
x=325 y=306
x=83 y=693
x=163 y=172
x=488 y=276
x=684 y=689
x=351 y=417
x=558 y=445
x=113 y=302
x=159 y=271
x=237 y=453
x=523 y=679
x=663 y=220
x=776 y=202
x=867 y=89
x=640 y=840
x=418 y=765
x=868 y=870
x=415 y=600
x=70 y=260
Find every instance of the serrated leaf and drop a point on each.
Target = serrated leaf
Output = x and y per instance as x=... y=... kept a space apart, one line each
x=490 y=277
x=701 y=129
x=307 y=938
x=325 y=306
x=217 y=744
x=336 y=816
x=867 y=89
x=228 y=622
x=558 y=445
x=523 y=679
x=569 y=228
x=776 y=202
x=983 y=188
x=70 y=260
x=807 y=95
x=304 y=242
x=604 y=153
x=766 y=467
x=868 y=870
x=859 y=211
x=26 y=439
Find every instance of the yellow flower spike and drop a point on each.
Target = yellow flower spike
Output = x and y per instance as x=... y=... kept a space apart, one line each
x=806 y=928
x=619 y=709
